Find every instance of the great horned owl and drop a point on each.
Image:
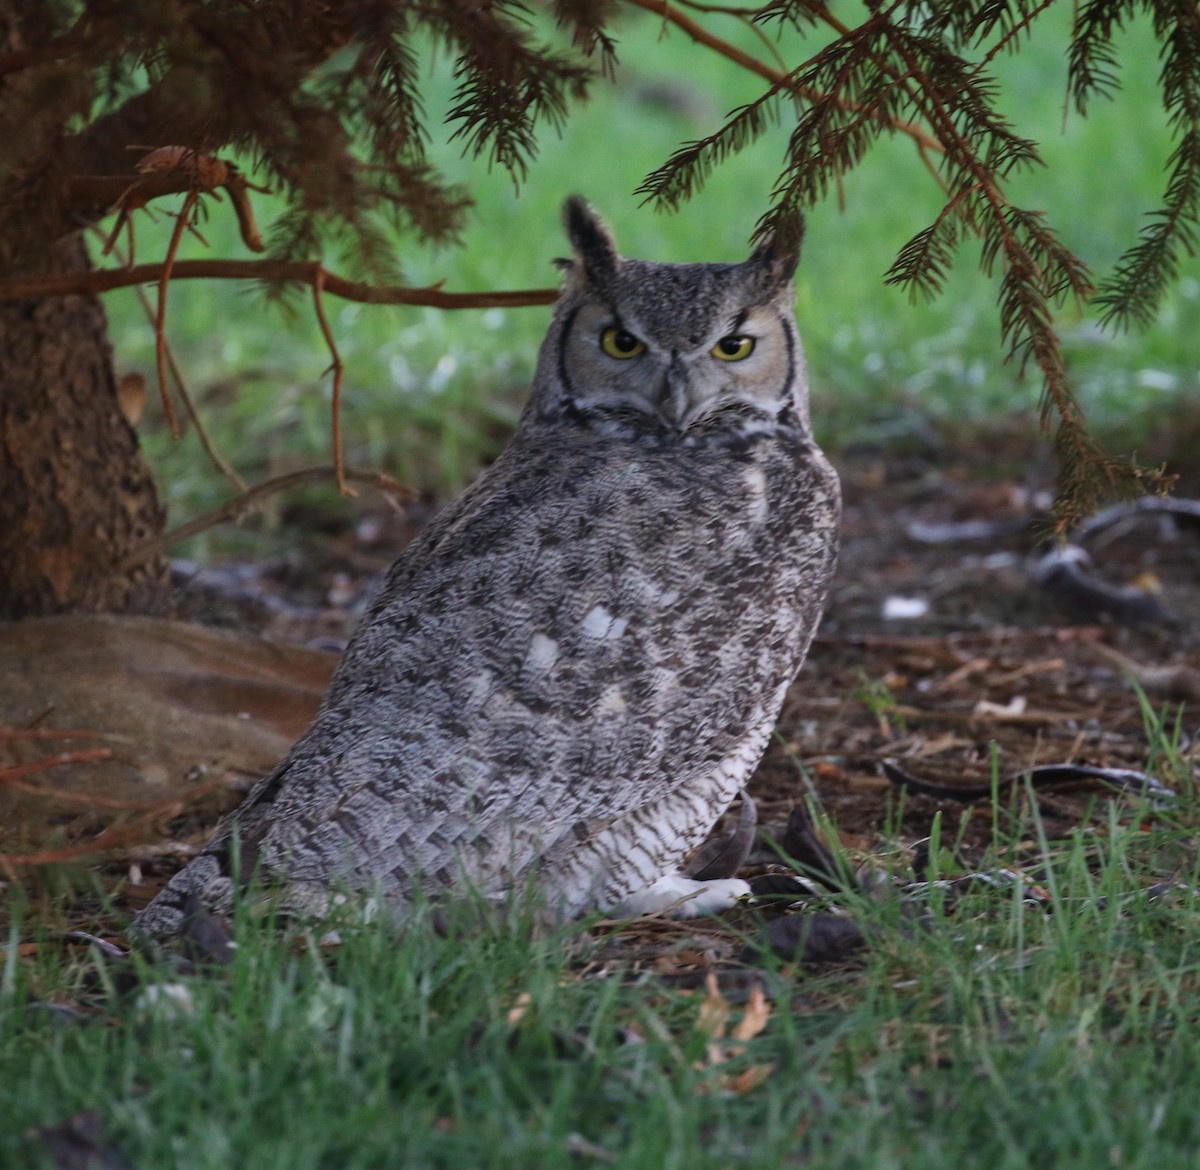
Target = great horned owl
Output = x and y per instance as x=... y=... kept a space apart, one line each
x=569 y=676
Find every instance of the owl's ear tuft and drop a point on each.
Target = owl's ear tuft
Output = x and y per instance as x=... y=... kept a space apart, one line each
x=594 y=245
x=774 y=260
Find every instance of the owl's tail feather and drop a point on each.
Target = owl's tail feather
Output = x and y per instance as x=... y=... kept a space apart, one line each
x=204 y=879
x=214 y=875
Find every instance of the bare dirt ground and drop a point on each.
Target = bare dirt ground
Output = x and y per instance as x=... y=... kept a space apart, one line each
x=943 y=650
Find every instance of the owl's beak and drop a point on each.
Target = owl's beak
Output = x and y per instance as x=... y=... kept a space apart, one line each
x=675 y=404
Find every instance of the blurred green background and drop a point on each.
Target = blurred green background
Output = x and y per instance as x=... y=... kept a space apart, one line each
x=430 y=394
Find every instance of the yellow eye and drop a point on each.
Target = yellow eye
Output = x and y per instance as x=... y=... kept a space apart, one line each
x=733 y=348
x=620 y=345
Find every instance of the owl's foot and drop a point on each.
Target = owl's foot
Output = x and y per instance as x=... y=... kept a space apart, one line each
x=682 y=897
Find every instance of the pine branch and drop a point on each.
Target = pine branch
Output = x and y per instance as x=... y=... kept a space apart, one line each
x=505 y=85
x=1091 y=59
x=1142 y=276
x=587 y=20
x=1010 y=39
x=960 y=25
x=801 y=14
x=923 y=264
x=688 y=168
x=326 y=99
x=779 y=79
x=833 y=134
x=1038 y=271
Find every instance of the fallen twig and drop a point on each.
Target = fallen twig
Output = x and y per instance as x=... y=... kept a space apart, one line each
x=87 y=799
x=1176 y=681
x=1000 y=635
x=1174 y=506
x=115 y=835
x=49 y=733
x=11 y=773
x=109 y=838
x=1043 y=776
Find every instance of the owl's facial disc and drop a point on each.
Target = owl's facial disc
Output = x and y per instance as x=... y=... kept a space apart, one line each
x=623 y=368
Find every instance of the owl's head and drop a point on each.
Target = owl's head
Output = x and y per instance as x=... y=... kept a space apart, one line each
x=690 y=353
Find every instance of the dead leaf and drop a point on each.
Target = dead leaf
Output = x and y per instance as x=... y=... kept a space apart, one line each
x=713 y=1019
x=754 y=1018
x=985 y=709
x=518 y=1009
x=744 y=1082
x=828 y=770
x=714 y=1011
x=131 y=392
x=578 y=1144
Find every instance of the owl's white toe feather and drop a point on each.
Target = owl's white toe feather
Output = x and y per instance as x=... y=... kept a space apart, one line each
x=684 y=897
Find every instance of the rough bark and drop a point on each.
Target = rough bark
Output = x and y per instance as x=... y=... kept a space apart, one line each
x=75 y=493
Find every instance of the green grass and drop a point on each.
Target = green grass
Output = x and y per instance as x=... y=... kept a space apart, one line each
x=431 y=394
x=989 y=1033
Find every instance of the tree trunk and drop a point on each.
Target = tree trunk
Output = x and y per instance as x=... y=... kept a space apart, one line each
x=75 y=493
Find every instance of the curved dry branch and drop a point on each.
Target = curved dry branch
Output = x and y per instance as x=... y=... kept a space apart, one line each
x=160 y=315
x=223 y=466
x=339 y=373
x=300 y=272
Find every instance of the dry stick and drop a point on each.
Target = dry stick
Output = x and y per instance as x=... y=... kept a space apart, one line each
x=83 y=798
x=701 y=35
x=48 y=733
x=109 y=242
x=108 y=839
x=16 y=771
x=160 y=320
x=283 y=271
x=90 y=801
x=115 y=834
x=233 y=509
x=339 y=461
